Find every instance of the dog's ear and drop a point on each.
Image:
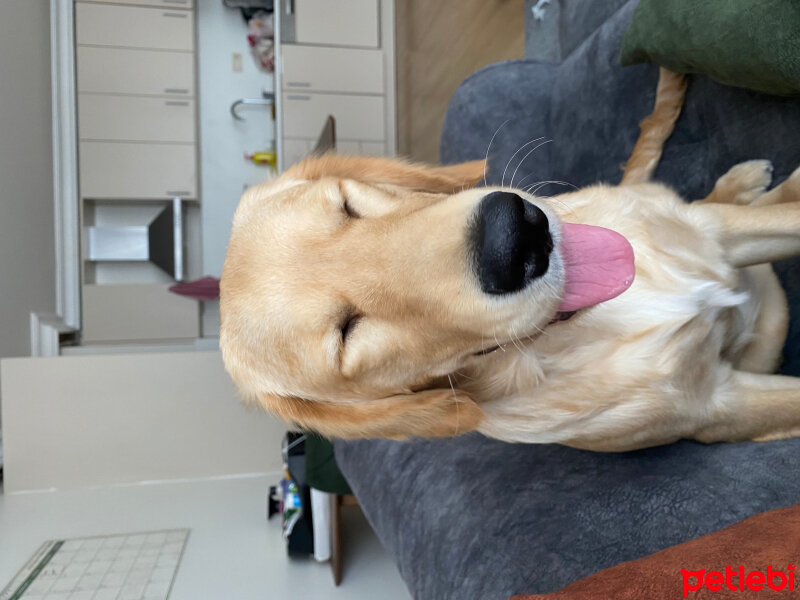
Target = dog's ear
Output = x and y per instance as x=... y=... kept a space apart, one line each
x=428 y=413
x=390 y=171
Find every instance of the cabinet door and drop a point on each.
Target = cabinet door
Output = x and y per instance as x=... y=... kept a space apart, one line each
x=336 y=22
x=135 y=170
x=347 y=70
x=132 y=118
x=137 y=312
x=134 y=27
x=126 y=71
x=158 y=3
x=357 y=117
x=295 y=150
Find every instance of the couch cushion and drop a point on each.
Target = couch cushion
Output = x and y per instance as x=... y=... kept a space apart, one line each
x=472 y=517
x=738 y=42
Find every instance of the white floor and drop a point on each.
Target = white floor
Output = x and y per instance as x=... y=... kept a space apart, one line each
x=233 y=553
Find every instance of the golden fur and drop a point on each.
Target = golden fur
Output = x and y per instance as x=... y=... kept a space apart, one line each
x=349 y=306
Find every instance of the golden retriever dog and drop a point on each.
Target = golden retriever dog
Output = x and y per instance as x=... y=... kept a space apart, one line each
x=370 y=297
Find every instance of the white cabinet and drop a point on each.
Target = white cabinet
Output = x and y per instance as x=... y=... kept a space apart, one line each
x=123 y=170
x=136 y=152
x=336 y=57
x=348 y=70
x=133 y=27
x=125 y=71
x=136 y=119
x=336 y=22
x=129 y=313
x=156 y=3
x=357 y=117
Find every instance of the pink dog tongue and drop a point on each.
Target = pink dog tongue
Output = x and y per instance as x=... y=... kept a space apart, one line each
x=599 y=265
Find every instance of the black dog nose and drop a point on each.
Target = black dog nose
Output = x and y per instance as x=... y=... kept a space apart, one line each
x=512 y=243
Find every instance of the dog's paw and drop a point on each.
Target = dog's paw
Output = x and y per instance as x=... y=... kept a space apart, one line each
x=745 y=182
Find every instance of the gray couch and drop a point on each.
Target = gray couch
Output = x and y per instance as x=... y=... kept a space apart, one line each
x=473 y=518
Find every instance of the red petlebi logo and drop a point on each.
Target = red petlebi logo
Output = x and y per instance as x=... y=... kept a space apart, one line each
x=738 y=579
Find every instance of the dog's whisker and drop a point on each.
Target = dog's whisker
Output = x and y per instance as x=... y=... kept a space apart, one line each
x=531 y=151
x=508 y=164
x=460 y=374
x=499 y=345
x=455 y=399
x=523 y=179
x=489 y=147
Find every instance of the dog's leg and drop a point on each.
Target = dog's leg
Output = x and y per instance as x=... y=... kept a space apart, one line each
x=754 y=407
x=764 y=352
x=656 y=129
x=765 y=231
x=742 y=184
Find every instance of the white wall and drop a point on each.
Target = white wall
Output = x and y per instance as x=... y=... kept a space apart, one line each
x=221 y=32
x=27 y=255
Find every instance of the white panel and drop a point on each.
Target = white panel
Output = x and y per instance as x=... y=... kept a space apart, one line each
x=158 y=3
x=131 y=118
x=134 y=27
x=295 y=150
x=373 y=148
x=117 y=313
x=332 y=69
x=348 y=147
x=132 y=170
x=337 y=22
x=125 y=71
x=101 y=420
x=357 y=117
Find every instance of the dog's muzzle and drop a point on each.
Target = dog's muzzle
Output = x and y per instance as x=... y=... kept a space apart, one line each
x=511 y=243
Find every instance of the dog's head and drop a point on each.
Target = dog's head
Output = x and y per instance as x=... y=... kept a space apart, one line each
x=353 y=287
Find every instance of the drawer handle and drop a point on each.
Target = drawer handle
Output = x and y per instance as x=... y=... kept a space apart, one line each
x=298 y=83
x=176 y=15
x=176 y=91
x=177 y=102
x=174 y=1
x=178 y=193
x=298 y=97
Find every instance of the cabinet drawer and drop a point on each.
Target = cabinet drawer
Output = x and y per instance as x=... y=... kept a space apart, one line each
x=134 y=170
x=357 y=117
x=134 y=27
x=116 y=313
x=132 y=118
x=336 y=22
x=158 y=3
x=125 y=71
x=332 y=69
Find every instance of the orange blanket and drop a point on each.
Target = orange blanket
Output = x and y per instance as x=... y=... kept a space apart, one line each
x=758 y=559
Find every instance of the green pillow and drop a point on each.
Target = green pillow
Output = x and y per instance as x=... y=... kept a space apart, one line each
x=746 y=43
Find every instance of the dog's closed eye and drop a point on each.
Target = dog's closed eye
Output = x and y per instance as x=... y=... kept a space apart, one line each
x=347 y=205
x=348 y=208
x=348 y=324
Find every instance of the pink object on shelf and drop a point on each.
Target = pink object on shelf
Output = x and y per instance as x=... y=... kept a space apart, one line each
x=205 y=288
